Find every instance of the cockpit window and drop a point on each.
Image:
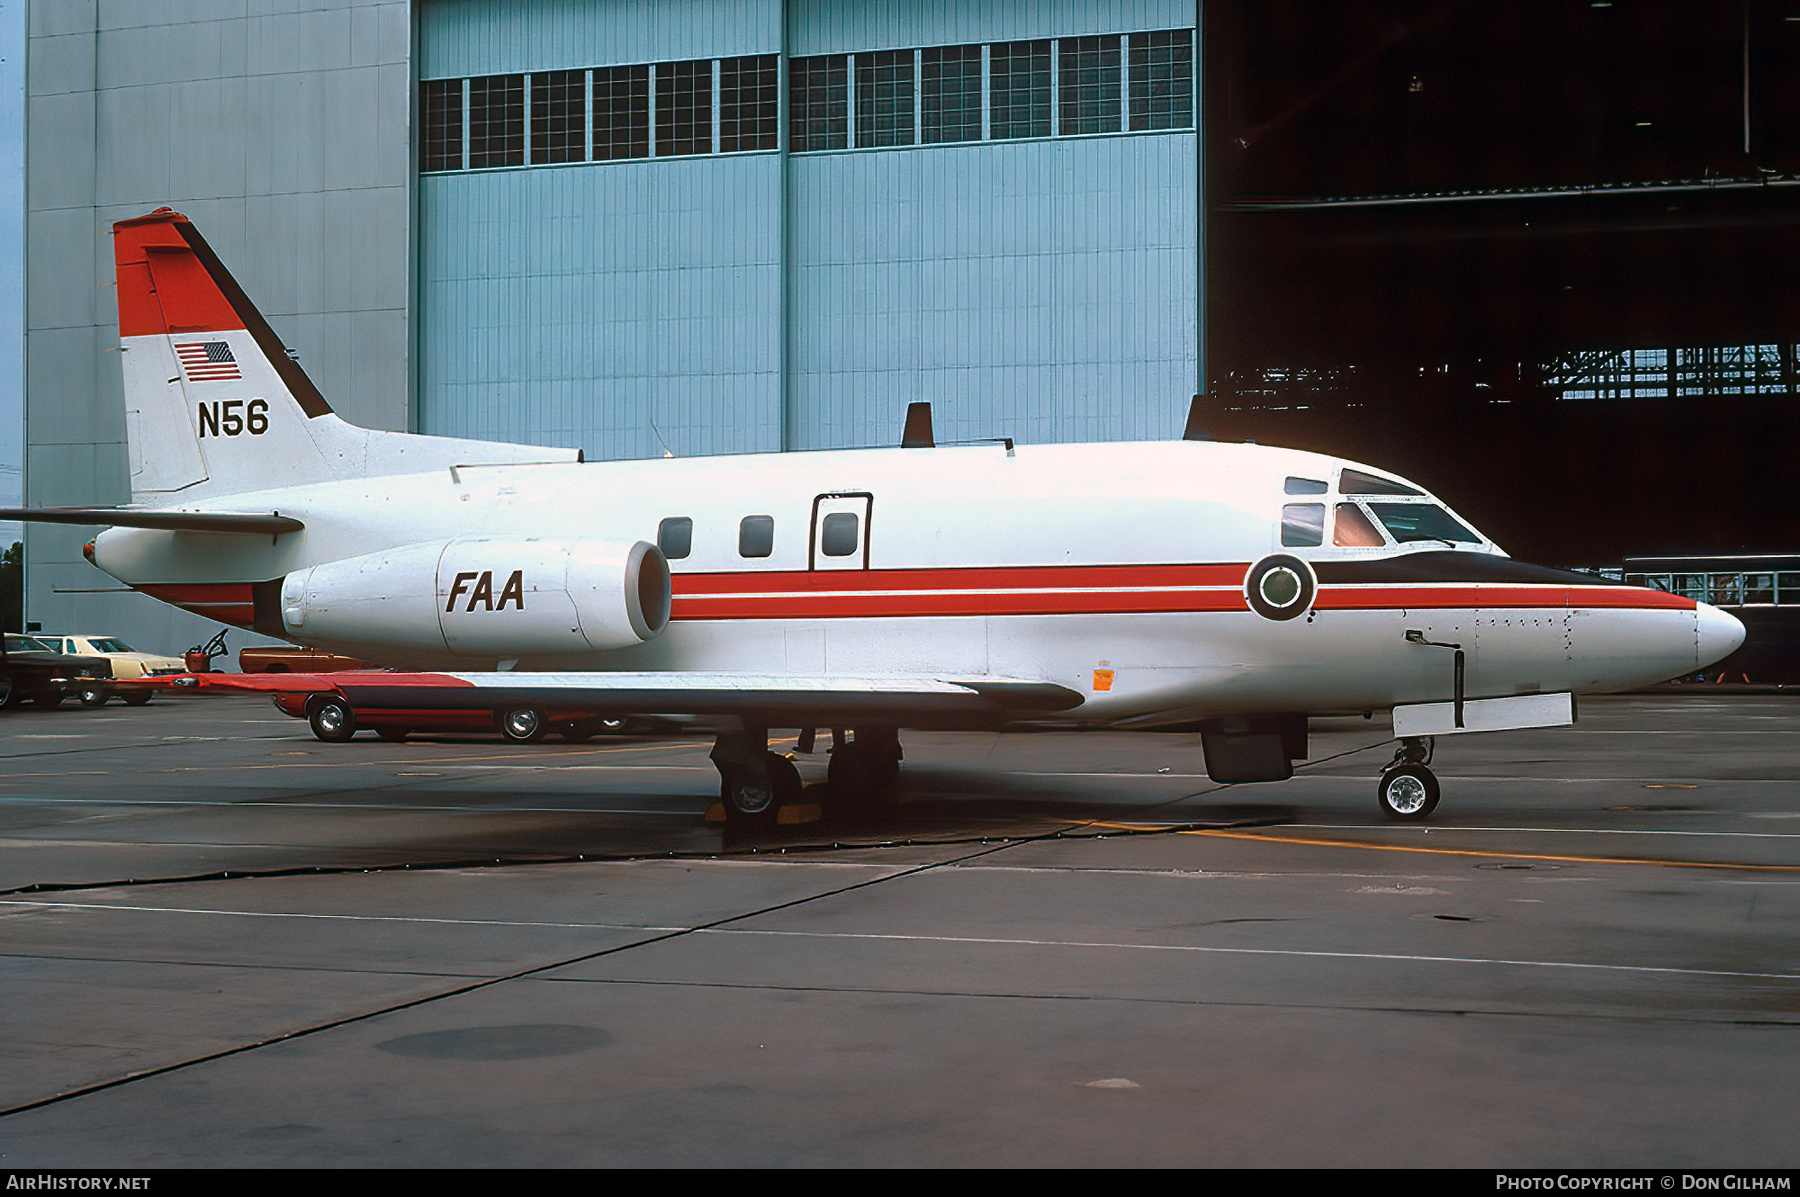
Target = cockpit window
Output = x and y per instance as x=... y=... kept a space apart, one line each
x=1408 y=522
x=1303 y=524
x=1306 y=486
x=1353 y=529
x=1355 y=482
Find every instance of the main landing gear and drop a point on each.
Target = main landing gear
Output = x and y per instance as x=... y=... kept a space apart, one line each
x=755 y=783
x=1409 y=791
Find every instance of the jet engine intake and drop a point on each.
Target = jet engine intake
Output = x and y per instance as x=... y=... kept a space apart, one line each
x=485 y=596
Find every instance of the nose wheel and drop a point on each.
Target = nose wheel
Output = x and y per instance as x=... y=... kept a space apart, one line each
x=1408 y=791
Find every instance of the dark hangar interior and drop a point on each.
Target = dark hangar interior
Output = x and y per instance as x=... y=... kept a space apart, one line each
x=1543 y=257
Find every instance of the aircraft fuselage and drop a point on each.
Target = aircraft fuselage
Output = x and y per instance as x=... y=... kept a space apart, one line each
x=1121 y=571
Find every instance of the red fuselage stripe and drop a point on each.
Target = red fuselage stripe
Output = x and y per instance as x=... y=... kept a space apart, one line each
x=1030 y=590
x=1097 y=590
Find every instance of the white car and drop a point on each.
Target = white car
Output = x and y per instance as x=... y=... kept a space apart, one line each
x=127 y=662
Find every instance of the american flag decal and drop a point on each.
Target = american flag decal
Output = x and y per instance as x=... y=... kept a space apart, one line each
x=207 y=361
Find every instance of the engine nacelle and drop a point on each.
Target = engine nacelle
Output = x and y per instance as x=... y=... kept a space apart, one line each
x=485 y=596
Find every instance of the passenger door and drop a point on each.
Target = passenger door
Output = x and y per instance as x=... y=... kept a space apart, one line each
x=840 y=531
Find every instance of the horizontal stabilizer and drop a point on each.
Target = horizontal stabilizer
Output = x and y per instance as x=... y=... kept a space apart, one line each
x=266 y=523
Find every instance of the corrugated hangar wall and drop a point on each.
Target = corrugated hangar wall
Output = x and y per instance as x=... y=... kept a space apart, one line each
x=1033 y=270
x=1033 y=273
x=282 y=127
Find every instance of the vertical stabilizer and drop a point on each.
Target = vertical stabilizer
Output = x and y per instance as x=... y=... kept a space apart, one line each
x=214 y=403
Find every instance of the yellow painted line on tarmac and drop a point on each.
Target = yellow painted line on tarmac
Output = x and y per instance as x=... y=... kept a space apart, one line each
x=1223 y=833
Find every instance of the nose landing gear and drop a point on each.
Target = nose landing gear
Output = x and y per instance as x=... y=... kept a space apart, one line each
x=1408 y=791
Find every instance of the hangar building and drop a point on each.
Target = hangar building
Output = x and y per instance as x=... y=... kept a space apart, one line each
x=1538 y=256
x=627 y=226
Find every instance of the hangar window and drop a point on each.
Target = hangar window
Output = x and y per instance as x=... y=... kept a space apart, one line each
x=621 y=112
x=497 y=121
x=950 y=93
x=684 y=108
x=748 y=101
x=559 y=116
x=756 y=536
x=1019 y=89
x=884 y=98
x=1303 y=524
x=818 y=103
x=1089 y=86
x=441 y=121
x=1162 y=79
x=675 y=537
x=942 y=94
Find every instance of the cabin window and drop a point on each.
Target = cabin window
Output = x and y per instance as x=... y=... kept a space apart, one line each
x=1355 y=482
x=1408 y=522
x=1305 y=486
x=756 y=536
x=838 y=537
x=675 y=537
x=1303 y=524
x=1354 y=530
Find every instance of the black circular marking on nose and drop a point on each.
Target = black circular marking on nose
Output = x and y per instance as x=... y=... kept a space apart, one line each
x=1280 y=587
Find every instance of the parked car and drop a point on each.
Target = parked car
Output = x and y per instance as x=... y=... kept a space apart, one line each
x=334 y=720
x=285 y=658
x=127 y=662
x=32 y=671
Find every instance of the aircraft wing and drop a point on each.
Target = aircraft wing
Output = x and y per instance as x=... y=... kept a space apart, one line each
x=778 y=699
x=264 y=522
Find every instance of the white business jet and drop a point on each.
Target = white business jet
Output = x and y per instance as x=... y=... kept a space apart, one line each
x=1240 y=586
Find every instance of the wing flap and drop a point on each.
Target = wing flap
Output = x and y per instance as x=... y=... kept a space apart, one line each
x=768 y=698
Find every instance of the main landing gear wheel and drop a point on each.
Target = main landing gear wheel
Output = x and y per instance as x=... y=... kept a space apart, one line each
x=1408 y=793
x=753 y=798
x=331 y=719
x=524 y=725
x=865 y=772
